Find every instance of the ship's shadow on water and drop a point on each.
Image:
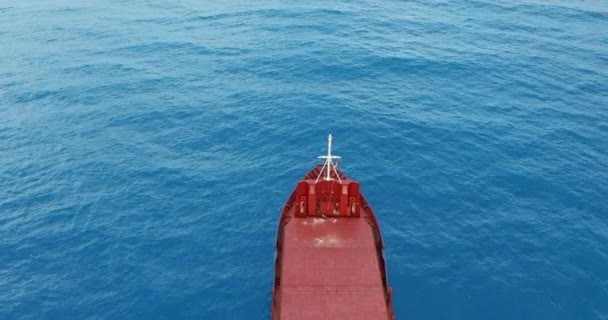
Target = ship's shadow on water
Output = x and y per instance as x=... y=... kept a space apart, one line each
x=147 y=149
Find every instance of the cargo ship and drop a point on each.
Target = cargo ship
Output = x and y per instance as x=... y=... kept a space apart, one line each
x=329 y=260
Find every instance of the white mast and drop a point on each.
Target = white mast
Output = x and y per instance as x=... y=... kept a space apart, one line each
x=328 y=165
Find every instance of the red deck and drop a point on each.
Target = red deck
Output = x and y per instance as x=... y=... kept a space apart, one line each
x=329 y=261
x=330 y=271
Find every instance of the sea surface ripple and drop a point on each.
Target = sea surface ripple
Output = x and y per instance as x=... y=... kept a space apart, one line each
x=147 y=148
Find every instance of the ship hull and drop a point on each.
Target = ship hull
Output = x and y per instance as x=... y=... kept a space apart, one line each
x=329 y=262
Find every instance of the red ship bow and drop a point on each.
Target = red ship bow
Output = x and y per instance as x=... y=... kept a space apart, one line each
x=329 y=262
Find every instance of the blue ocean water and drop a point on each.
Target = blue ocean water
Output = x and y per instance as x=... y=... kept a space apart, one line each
x=147 y=148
